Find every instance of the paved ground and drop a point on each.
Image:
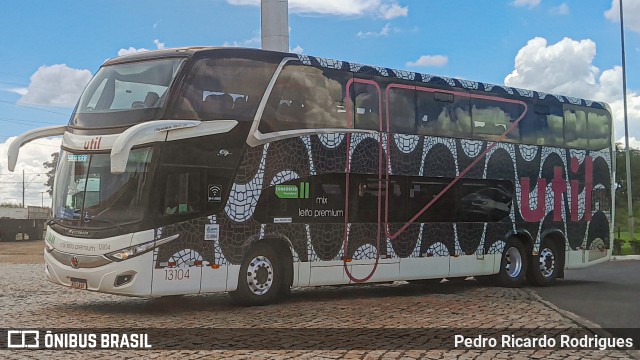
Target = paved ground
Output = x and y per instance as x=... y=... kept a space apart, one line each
x=22 y=252
x=387 y=311
x=606 y=294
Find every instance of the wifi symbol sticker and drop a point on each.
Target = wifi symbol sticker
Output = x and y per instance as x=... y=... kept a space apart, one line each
x=214 y=193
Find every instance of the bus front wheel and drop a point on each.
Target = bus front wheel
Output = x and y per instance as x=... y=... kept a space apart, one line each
x=544 y=266
x=261 y=277
x=513 y=264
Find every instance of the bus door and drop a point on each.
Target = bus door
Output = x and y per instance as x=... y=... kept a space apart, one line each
x=366 y=256
x=193 y=182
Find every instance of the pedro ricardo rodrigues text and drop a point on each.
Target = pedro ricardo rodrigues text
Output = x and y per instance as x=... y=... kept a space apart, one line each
x=544 y=341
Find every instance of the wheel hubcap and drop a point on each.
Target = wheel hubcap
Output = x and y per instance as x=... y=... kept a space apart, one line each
x=514 y=262
x=547 y=262
x=260 y=275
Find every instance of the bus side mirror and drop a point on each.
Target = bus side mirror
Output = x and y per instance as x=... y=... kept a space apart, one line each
x=14 y=148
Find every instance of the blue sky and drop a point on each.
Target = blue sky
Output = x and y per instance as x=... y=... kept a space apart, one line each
x=49 y=52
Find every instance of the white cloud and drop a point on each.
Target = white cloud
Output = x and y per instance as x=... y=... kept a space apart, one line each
x=562 y=9
x=56 y=85
x=386 y=9
x=131 y=50
x=159 y=45
x=20 y=91
x=391 y=11
x=528 y=3
x=383 y=32
x=631 y=13
x=633 y=113
x=567 y=68
x=297 y=50
x=254 y=41
x=31 y=158
x=430 y=60
x=633 y=142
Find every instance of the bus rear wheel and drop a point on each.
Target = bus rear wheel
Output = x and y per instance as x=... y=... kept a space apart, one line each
x=261 y=277
x=513 y=264
x=544 y=267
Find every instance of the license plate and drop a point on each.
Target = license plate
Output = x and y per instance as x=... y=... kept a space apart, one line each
x=79 y=284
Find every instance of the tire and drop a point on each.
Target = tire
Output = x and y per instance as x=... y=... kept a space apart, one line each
x=513 y=264
x=544 y=267
x=262 y=277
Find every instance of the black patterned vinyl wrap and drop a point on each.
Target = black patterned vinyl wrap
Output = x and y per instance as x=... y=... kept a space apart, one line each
x=267 y=165
x=300 y=157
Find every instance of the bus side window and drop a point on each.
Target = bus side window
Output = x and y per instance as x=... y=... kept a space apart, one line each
x=555 y=127
x=543 y=126
x=216 y=105
x=531 y=127
x=182 y=193
x=185 y=106
x=492 y=118
x=586 y=128
x=367 y=106
x=485 y=200
x=213 y=86
x=423 y=190
x=576 y=134
x=598 y=124
x=443 y=114
x=428 y=113
x=363 y=198
x=305 y=97
x=402 y=111
x=365 y=191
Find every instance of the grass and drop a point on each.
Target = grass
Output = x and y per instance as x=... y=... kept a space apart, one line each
x=626 y=245
x=626 y=249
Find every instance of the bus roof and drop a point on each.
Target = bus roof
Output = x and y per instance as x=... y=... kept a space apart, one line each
x=427 y=79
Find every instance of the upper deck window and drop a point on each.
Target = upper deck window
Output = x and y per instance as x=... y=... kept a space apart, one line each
x=491 y=118
x=444 y=113
x=223 y=88
x=125 y=94
x=586 y=128
x=307 y=98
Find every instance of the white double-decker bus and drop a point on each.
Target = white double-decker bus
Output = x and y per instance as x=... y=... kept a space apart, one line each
x=199 y=170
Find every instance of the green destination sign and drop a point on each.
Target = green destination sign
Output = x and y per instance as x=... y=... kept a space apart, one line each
x=287 y=191
x=293 y=191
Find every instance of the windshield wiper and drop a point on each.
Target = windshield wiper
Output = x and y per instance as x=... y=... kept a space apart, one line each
x=108 y=222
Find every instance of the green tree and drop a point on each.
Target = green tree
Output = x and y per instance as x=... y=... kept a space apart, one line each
x=10 y=205
x=51 y=172
x=621 y=173
x=621 y=187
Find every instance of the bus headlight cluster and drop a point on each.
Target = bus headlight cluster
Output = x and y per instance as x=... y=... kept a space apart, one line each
x=133 y=251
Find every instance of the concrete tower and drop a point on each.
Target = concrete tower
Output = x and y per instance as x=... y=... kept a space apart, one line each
x=275 y=25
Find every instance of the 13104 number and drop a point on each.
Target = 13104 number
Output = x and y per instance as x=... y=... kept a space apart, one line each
x=176 y=274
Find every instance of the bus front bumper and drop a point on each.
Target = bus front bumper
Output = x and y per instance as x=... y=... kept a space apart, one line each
x=131 y=277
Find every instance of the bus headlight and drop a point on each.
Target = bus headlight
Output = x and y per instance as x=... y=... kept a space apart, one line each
x=133 y=251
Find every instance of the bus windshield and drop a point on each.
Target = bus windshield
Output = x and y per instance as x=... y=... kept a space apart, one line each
x=87 y=194
x=125 y=94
